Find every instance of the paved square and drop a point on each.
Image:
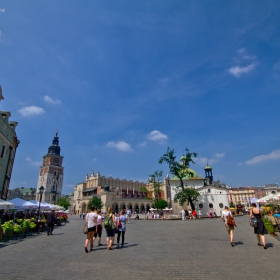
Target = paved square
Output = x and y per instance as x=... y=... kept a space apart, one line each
x=153 y=250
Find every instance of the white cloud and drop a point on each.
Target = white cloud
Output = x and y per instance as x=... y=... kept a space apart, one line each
x=165 y=80
x=120 y=145
x=204 y=160
x=48 y=99
x=30 y=111
x=262 y=158
x=156 y=135
x=237 y=71
x=143 y=144
x=35 y=163
x=244 y=63
x=220 y=155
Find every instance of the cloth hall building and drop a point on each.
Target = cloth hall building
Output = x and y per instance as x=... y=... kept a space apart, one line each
x=115 y=193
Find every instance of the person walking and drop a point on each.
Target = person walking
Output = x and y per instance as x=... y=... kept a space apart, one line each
x=121 y=228
x=194 y=214
x=215 y=213
x=260 y=230
x=210 y=214
x=110 y=231
x=50 y=216
x=199 y=214
x=99 y=227
x=230 y=228
x=190 y=214
x=91 y=220
x=128 y=214
x=183 y=215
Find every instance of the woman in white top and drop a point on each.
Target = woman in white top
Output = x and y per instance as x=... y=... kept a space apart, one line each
x=199 y=214
x=229 y=228
x=91 y=220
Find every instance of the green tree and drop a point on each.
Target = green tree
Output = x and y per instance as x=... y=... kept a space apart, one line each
x=231 y=205
x=97 y=202
x=64 y=201
x=181 y=170
x=153 y=189
x=160 y=204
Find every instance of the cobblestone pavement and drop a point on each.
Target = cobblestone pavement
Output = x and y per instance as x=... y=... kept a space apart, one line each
x=153 y=250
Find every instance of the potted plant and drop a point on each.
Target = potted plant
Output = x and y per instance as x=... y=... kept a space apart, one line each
x=17 y=229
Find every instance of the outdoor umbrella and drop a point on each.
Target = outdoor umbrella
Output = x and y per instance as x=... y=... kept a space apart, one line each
x=6 y=204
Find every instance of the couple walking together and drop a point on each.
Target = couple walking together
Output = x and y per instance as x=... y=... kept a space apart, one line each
x=260 y=230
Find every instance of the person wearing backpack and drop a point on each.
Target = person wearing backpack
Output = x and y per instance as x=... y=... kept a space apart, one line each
x=226 y=214
x=109 y=225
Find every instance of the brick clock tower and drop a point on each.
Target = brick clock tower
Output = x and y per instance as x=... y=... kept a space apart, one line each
x=51 y=174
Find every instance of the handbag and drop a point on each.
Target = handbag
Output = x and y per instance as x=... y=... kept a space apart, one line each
x=85 y=229
x=230 y=220
x=253 y=222
x=119 y=223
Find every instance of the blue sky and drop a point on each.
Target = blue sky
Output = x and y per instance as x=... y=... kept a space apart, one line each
x=123 y=80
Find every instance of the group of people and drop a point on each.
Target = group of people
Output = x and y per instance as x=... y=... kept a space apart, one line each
x=191 y=214
x=113 y=224
x=259 y=230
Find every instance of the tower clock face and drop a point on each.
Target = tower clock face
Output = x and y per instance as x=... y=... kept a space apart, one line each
x=56 y=160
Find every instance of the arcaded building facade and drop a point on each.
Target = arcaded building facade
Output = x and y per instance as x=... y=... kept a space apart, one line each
x=115 y=193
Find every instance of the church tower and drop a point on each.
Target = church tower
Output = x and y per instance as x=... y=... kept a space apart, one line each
x=208 y=175
x=51 y=174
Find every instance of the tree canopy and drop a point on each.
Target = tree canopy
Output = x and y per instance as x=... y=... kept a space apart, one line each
x=97 y=202
x=64 y=201
x=181 y=170
x=153 y=189
x=161 y=204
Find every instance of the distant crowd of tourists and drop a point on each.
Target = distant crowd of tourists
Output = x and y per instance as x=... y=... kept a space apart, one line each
x=114 y=224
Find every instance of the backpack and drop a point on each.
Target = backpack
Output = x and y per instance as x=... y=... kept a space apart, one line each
x=108 y=222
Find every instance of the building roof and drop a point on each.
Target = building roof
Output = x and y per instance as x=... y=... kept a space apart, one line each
x=207 y=167
x=27 y=190
x=195 y=176
x=89 y=190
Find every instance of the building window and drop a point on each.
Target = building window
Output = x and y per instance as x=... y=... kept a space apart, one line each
x=209 y=190
x=3 y=151
x=210 y=205
x=221 y=205
x=200 y=205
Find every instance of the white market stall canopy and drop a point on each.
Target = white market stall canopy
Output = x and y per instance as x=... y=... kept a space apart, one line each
x=21 y=204
x=6 y=204
x=266 y=198
x=42 y=206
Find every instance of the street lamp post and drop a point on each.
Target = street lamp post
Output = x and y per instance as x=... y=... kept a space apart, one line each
x=41 y=190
